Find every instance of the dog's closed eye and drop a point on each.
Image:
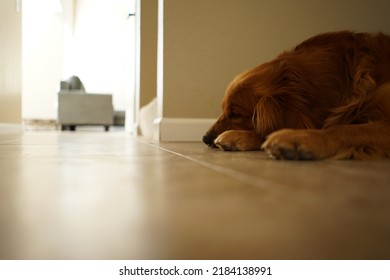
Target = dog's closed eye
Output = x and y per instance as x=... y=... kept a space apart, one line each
x=234 y=115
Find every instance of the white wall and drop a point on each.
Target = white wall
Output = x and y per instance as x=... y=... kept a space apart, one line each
x=42 y=51
x=10 y=62
x=104 y=47
x=89 y=38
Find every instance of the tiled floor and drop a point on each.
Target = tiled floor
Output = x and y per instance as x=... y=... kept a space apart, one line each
x=110 y=196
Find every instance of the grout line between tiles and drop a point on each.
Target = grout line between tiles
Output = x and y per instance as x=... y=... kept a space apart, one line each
x=272 y=188
x=239 y=176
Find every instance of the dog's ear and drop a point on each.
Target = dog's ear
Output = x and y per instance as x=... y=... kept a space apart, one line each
x=267 y=115
x=275 y=112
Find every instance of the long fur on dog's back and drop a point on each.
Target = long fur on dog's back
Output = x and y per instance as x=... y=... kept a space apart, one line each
x=326 y=79
x=329 y=80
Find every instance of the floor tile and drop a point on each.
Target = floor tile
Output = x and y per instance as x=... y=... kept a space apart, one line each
x=90 y=195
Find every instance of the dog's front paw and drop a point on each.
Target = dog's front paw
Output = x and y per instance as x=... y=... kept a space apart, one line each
x=293 y=144
x=238 y=140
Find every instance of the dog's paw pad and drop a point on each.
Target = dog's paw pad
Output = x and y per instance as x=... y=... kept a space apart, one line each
x=226 y=147
x=237 y=140
x=289 y=145
x=289 y=153
x=295 y=154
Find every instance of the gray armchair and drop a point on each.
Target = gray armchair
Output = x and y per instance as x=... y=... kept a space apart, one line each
x=76 y=107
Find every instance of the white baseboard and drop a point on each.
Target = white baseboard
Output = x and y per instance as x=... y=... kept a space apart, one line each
x=181 y=130
x=10 y=131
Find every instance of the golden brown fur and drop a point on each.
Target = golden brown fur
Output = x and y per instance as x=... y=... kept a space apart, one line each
x=329 y=97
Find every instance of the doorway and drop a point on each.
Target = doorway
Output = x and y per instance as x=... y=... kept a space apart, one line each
x=94 y=40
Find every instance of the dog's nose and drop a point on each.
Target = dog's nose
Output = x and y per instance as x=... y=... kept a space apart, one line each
x=208 y=140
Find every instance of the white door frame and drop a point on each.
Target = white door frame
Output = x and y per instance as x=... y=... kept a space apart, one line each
x=133 y=96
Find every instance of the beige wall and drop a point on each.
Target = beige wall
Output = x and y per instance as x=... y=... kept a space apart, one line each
x=10 y=63
x=207 y=42
x=148 y=51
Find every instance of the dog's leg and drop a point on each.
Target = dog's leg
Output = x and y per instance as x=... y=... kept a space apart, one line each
x=238 y=140
x=362 y=141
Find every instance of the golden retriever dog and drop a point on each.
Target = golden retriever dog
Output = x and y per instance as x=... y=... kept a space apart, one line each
x=329 y=97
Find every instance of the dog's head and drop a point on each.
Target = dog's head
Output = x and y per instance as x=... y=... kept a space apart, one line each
x=263 y=99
